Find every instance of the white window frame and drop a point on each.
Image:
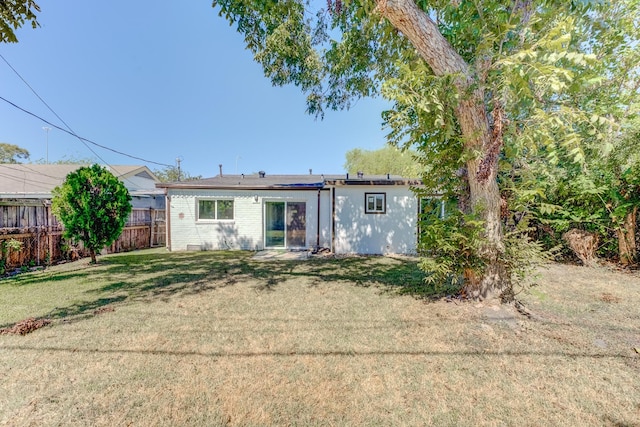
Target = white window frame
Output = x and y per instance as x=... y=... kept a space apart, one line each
x=376 y=210
x=215 y=200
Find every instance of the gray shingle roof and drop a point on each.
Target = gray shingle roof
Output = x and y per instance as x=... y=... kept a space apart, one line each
x=37 y=181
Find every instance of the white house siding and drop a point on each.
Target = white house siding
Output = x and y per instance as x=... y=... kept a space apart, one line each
x=357 y=232
x=246 y=230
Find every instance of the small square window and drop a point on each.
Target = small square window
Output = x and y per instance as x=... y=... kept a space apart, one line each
x=375 y=203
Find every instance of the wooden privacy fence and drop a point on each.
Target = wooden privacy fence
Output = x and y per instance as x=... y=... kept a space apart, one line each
x=39 y=239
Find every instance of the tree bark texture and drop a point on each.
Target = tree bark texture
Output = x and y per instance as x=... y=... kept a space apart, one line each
x=471 y=113
x=627 y=238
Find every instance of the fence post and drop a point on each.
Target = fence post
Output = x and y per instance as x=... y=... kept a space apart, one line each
x=47 y=208
x=152 y=223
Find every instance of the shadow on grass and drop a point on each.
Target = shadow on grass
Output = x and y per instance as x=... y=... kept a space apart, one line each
x=84 y=309
x=25 y=279
x=325 y=353
x=147 y=276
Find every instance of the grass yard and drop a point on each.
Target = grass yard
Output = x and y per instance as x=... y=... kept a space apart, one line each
x=216 y=338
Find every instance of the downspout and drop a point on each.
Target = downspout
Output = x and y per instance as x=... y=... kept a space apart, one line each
x=318 y=225
x=167 y=215
x=333 y=219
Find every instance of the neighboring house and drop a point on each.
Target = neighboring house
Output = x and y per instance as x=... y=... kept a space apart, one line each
x=25 y=212
x=348 y=215
x=31 y=184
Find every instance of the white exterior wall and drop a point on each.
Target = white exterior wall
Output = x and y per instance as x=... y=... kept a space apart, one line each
x=246 y=230
x=393 y=232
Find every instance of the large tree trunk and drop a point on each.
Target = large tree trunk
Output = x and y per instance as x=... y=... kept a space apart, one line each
x=627 y=238
x=471 y=113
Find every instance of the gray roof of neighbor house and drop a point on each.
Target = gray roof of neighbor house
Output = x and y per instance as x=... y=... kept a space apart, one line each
x=37 y=181
x=266 y=181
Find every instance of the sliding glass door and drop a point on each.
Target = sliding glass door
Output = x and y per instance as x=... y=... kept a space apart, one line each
x=285 y=225
x=296 y=224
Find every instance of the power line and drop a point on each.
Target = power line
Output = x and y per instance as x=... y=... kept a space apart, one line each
x=48 y=106
x=81 y=138
x=69 y=131
x=8 y=166
x=41 y=184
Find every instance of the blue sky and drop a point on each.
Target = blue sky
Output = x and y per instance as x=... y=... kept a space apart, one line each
x=161 y=80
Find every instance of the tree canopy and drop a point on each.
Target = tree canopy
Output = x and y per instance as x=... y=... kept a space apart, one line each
x=479 y=88
x=93 y=205
x=13 y=15
x=173 y=174
x=10 y=153
x=385 y=160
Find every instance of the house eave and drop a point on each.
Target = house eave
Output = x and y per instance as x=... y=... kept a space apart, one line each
x=377 y=182
x=242 y=187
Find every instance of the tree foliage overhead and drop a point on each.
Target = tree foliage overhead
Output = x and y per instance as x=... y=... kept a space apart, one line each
x=13 y=15
x=480 y=88
x=93 y=205
x=10 y=153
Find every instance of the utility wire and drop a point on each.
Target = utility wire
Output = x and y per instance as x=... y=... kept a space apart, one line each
x=8 y=166
x=49 y=107
x=41 y=184
x=84 y=140
x=69 y=130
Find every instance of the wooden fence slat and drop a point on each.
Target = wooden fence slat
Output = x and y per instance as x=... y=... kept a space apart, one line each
x=40 y=233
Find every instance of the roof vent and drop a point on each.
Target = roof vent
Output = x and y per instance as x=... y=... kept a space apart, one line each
x=262 y=174
x=310 y=171
x=220 y=166
x=360 y=174
x=347 y=176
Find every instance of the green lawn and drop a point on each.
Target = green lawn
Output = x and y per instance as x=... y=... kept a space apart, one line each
x=216 y=338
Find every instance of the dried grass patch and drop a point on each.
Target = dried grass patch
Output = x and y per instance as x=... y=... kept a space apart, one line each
x=607 y=297
x=325 y=343
x=102 y=310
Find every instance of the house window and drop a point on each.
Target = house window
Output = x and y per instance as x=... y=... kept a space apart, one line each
x=215 y=209
x=432 y=208
x=375 y=203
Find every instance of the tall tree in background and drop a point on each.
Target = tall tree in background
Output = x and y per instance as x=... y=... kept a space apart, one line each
x=13 y=15
x=173 y=174
x=379 y=162
x=68 y=160
x=468 y=80
x=10 y=153
x=93 y=205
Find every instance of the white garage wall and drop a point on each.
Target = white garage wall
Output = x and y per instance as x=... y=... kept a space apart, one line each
x=393 y=232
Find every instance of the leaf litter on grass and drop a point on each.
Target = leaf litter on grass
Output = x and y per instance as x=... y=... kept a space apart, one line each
x=25 y=326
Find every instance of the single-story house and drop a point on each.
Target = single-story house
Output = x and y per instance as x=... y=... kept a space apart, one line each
x=346 y=214
x=29 y=184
